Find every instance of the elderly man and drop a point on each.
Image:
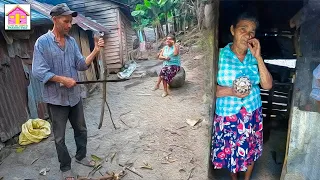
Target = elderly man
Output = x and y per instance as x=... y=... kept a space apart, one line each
x=56 y=60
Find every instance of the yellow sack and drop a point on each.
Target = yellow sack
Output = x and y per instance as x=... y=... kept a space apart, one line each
x=33 y=131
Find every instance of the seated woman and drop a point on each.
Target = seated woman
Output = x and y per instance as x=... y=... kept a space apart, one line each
x=171 y=64
x=237 y=138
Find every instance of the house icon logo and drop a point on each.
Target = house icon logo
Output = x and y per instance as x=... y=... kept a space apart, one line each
x=17 y=16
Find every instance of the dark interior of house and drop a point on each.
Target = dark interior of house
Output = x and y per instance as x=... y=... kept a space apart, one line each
x=277 y=44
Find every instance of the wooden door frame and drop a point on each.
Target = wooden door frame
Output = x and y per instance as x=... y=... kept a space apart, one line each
x=120 y=35
x=214 y=66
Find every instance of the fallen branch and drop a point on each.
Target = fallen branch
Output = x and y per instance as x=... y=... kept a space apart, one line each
x=105 y=177
x=124 y=123
x=191 y=173
x=182 y=127
x=126 y=168
x=122 y=120
x=95 y=169
x=125 y=113
x=111 y=115
x=113 y=155
x=31 y=162
x=172 y=132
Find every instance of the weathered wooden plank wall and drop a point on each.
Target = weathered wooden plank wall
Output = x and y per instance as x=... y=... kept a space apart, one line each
x=108 y=14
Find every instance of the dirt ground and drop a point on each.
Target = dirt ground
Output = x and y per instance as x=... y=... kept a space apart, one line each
x=150 y=129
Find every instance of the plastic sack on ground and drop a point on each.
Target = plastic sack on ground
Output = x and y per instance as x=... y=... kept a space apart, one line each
x=33 y=131
x=132 y=65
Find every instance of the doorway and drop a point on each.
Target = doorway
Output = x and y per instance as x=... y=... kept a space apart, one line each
x=277 y=45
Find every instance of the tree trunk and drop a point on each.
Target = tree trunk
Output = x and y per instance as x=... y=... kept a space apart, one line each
x=178 y=25
x=167 y=26
x=175 y=27
x=190 y=24
x=184 y=21
x=209 y=16
x=200 y=14
x=156 y=33
x=160 y=30
x=181 y=24
x=144 y=35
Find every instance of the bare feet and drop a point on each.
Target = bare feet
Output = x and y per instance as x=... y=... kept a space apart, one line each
x=165 y=94
x=234 y=176
x=155 y=88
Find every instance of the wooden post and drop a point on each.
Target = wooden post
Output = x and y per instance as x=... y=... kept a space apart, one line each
x=75 y=33
x=266 y=122
x=120 y=35
x=214 y=66
x=289 y=100
x=175 y=27
x=85 y=49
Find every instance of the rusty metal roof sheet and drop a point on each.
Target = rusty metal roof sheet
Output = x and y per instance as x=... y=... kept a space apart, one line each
x=82 y=21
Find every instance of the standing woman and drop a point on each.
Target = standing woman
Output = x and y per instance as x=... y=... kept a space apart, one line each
x=237 y=134
x=171 y=64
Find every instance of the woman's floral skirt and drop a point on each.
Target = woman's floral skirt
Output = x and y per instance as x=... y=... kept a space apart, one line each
x=168 y=72
x=237 y=140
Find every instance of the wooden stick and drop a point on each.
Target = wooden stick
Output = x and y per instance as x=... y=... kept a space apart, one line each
x=110 y=115
x=122 y=120
x=191 y=173
x=104 y=84
x=104 y=88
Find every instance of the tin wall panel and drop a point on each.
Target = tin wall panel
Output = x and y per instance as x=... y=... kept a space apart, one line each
x=13 y=95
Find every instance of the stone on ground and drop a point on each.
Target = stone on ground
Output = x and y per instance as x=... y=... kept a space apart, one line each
x=179 y=79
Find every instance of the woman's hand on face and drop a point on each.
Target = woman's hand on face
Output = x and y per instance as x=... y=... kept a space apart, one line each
x=239 y=95
x=255 y=48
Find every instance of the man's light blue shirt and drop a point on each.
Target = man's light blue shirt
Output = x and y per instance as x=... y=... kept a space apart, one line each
x=49 y=59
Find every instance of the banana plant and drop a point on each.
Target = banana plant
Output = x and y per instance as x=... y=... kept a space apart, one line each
x=167 y=7
x=155 y=13
x=140 y=16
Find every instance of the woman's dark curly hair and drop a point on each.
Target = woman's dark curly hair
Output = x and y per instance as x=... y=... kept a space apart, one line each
x=172 y=37
x=246 y=16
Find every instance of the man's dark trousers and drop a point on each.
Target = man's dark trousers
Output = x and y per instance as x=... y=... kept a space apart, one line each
x=59 y=116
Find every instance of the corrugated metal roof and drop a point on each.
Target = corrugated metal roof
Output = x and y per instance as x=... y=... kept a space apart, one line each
x=40 y=15
x=82 y=21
